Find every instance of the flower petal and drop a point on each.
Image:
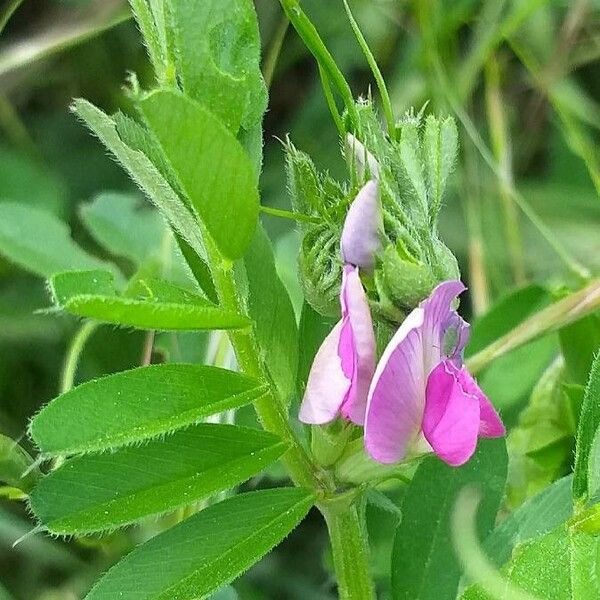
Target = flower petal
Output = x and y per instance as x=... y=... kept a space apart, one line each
x=451 y=417
x=327 y=386
x=362 y=157
x=438 y=316
x=490 y=423
x=356 y=306
x=397 y=394
x=360 y=235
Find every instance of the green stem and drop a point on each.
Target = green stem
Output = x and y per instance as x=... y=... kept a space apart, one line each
x=7 y=12
x=288 y=214
x=350 y=552
x=270 y=410
x=312 y=40
x=272 y=57
x=74 y=352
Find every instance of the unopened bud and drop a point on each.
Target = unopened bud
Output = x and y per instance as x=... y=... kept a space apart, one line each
x=362 y=228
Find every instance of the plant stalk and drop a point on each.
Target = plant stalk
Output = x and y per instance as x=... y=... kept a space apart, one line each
x=350 y=552
x=270 y=410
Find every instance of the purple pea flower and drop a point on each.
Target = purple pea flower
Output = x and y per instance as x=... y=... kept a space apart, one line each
x=421 y=396
x=341 y=373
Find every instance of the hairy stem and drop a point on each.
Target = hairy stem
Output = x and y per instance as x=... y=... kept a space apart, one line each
x=350 y=552
x=270 y=410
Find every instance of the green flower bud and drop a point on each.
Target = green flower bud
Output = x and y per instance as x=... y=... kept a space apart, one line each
x=321 y=269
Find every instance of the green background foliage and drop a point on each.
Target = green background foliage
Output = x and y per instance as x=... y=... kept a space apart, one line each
x=521 y=213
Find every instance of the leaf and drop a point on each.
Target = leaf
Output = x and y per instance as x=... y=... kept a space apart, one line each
x=560 y=565
x=208 y=550
x=271 y=309
x=424 y=566
x=146 y=22
x=594 y=468
x=211 y=165
x=152 y=304
x=536 y=517
x=217 y=55
x=526 y=364
x=440 y=146
x=135 y=405
x=589 y=421
x=4 y=595
x=579 y=342
x=124 y=225
x=314 y=327
x=15 y=462
x=144 y=173
x=199 y=269
x=21 y=229
x=109 y=490
x=410 y=154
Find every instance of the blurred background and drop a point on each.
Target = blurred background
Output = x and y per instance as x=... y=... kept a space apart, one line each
x=522 y=78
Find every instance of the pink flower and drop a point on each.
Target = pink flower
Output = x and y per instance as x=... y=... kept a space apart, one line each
x=341 y=373
x=421 y=396
x=344 y=365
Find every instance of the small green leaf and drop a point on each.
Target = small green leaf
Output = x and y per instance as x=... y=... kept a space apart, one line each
x=124 y=225
x=270 y=307
x=440 y=145
x=21 y=229
x=144 y=173
x=217 y=55
x=110 y=490
x=589 y=421
x=424 y=564
x=135 y=405
x=149 y=304
x=411 y=156
x=211 y=165
x=14 y=463
x=196 y=557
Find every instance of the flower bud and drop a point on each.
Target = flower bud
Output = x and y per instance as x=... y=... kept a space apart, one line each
x=362 y=229
x=365 y=163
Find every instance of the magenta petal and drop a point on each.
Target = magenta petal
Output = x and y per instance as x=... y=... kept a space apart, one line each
x=397 y=394
x=451 y=417
x=327 y=386
x=360 y=236
x=490 y=424
x=360 y=327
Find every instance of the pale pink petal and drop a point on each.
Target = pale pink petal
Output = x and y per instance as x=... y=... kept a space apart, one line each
x=327 y=386
x=361 y=233
x=451 y=417
x=439 y=314
x=397 y=394
x=356 y=306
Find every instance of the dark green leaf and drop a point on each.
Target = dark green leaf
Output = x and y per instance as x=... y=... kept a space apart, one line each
x=110 y=490
x=150 y=304
x=424 y=565
x=208 y=550
x=14 y=464
x=270 y=307
x=211 y=165
x=134 y=405
x=579 y=343
x=314 y=328
x=589 y=422
x=217 y=54
x=21 y=230
x=199 y=269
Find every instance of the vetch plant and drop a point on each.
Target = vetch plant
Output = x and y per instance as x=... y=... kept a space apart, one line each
x=380 y=409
